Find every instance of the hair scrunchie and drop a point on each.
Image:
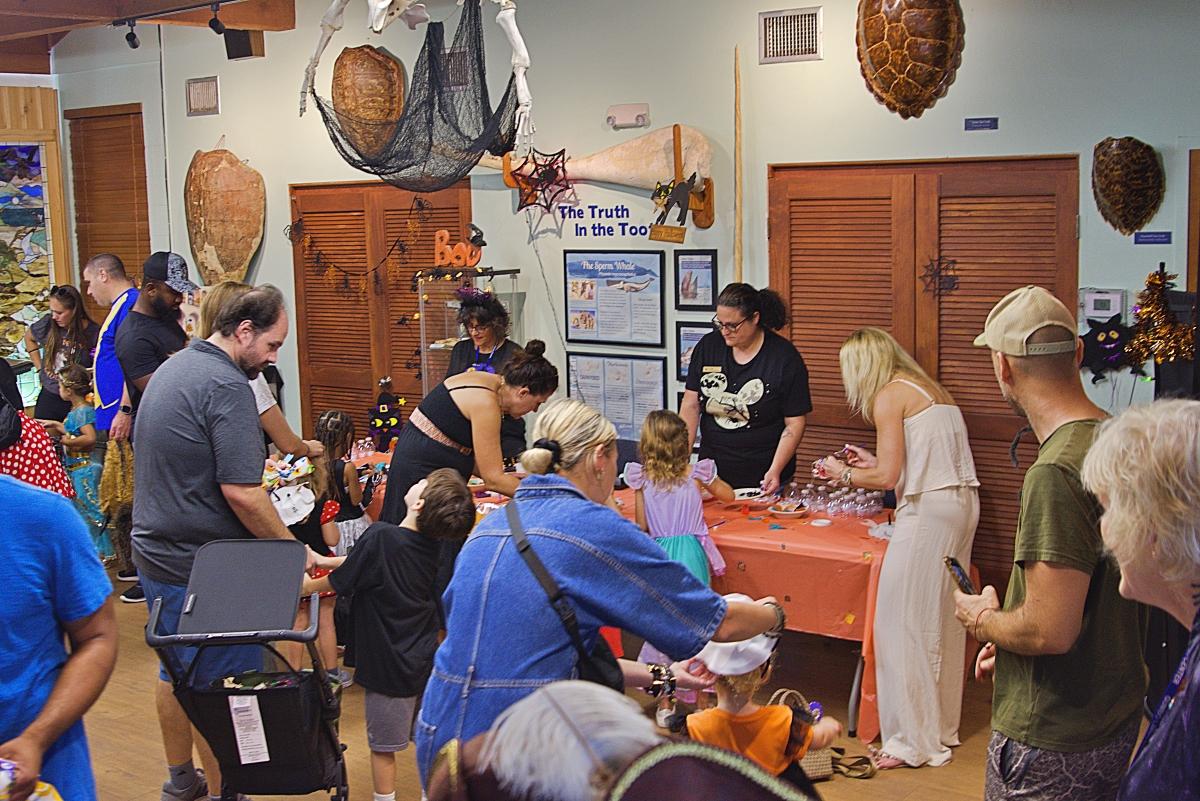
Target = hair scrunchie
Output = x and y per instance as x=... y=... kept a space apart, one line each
x=555 y=452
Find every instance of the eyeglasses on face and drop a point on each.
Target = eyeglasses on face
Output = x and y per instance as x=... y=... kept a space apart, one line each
x=728 y=328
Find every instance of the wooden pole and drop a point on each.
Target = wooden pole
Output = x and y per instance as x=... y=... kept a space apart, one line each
x=737 y=165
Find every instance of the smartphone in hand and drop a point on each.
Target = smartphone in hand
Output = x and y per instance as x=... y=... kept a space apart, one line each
x=960 y=576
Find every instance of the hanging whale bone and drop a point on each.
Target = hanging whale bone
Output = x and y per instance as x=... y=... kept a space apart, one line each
x=909 y=51
x=1127 y=182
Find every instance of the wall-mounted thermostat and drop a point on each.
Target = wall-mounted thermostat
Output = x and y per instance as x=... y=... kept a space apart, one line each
x=1100 y=304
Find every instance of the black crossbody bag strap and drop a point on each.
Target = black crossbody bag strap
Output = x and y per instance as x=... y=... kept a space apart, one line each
x=559 y=602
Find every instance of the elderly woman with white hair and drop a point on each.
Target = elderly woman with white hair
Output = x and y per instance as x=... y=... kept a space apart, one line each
x=1145 y=469
x=505 y=639
x=578 y=741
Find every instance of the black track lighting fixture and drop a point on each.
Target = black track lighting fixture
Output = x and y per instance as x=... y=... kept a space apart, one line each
x=215 y=24
x=131 y=38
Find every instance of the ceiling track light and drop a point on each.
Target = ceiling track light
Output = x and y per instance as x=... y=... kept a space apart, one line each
x=131 y=38
x=215 y=24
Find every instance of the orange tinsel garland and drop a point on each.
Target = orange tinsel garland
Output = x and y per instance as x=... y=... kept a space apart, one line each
x=1157 y=333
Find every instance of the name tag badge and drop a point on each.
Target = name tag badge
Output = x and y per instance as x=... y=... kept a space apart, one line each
x=711 y=368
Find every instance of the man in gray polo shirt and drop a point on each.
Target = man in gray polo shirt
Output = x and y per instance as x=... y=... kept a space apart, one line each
x=198 y=475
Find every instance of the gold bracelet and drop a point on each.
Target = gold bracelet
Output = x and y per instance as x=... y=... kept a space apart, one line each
x=847 y=479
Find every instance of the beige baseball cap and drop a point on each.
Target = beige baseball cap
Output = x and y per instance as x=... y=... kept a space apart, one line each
x=1018 y=315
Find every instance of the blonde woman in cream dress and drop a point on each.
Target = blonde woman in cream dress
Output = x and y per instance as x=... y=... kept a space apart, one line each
x=924 y=456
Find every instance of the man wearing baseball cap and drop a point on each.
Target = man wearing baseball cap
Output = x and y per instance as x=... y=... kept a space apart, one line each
x=148 y=335
x=1065 y=651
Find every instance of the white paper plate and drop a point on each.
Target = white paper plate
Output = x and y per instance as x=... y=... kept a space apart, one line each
x=747 y=494
x=822 y=522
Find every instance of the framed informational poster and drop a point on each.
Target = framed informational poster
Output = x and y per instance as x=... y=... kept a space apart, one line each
x=624 y=388
x=696 y=280
x=687 y=336
x=614 y=296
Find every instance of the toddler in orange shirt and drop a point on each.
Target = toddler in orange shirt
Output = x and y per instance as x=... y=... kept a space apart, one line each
x=771 y=735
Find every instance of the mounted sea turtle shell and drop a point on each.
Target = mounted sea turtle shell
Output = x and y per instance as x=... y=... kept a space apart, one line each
x=909 y=51
x=368 y=97
x=225 y=202
x=1127 y=182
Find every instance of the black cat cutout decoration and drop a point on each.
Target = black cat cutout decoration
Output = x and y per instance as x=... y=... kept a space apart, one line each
x=1104 y=347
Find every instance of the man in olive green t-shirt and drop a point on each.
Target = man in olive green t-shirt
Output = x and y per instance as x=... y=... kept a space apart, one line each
x=1066 y=649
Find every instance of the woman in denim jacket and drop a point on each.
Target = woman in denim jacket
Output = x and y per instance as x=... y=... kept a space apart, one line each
x=503 y=639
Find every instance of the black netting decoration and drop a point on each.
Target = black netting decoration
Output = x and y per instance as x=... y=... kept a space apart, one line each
x=448 y=120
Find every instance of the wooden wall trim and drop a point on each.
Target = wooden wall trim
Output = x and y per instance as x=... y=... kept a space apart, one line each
x=1193 y=237
x=1000 y=162
x=102 y=111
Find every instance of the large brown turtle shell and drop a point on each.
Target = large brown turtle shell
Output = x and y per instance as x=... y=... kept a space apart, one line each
x=225 y=204
x=1127 y=182
x=909 y=51
x=368 y=97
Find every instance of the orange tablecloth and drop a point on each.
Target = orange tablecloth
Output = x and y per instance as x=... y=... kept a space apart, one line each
x=826 y=578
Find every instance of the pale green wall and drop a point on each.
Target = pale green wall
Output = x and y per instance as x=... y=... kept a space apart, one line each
x=1061 y=75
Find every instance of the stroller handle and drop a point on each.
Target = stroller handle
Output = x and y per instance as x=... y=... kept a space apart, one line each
x=156 y=640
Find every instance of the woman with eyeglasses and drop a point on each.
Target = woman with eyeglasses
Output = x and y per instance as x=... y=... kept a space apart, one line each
x=747 y=391
x=64 y=336
x=487 y=349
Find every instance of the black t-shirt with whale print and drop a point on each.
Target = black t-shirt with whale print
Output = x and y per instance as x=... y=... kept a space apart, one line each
x=742 y=406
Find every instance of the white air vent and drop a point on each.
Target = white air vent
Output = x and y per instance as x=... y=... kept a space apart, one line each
x=203 y=96
x=791 y=35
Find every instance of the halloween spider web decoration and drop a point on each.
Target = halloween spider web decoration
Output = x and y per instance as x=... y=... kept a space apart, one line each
x=448 y=120
x=542 y=181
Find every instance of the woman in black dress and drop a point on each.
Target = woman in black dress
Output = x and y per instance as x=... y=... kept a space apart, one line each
x=458 y=426
x=747 y=391
x=487 y=350
x=64 y=336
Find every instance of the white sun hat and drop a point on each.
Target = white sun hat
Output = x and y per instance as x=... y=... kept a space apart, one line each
x=743 y=656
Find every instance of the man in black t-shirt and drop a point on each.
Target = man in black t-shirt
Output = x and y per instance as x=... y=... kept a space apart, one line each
x=148 y=335
x=392 y=573
x=151 y=332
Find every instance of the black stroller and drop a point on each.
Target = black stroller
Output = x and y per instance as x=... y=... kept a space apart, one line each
x=272 y=732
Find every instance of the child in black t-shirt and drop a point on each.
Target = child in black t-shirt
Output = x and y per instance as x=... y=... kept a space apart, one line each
x=392 y=572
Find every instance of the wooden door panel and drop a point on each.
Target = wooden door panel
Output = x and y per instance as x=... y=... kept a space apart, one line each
x=1002 y=231
x=348 y=335
x=841 y=246
x=850 y=247
x=333 y=318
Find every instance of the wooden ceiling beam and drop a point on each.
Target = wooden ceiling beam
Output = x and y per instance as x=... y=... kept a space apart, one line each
x=22 y=27
x=30 y=56
x=248 y=15
x=59 y=9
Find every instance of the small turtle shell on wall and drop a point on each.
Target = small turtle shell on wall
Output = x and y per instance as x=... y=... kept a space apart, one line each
x=909 y=51
x=368 y=97
x=1127 y=182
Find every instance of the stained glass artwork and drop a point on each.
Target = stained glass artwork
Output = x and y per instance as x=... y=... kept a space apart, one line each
x=25 y=253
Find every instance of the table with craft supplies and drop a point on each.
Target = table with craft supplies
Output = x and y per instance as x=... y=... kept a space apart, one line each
x=825 y=576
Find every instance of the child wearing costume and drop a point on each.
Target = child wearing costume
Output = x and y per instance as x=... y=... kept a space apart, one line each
x=775 y=736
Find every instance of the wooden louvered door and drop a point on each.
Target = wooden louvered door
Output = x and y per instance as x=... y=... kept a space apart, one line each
x=108 y=181
x=850 y=246
x=348 y=335
x=1004 y=225
x=841 y=251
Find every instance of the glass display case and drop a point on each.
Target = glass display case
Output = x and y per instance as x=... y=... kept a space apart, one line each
x=437 y=304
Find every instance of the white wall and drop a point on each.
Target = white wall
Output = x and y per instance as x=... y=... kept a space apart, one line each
x=1061 y=76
